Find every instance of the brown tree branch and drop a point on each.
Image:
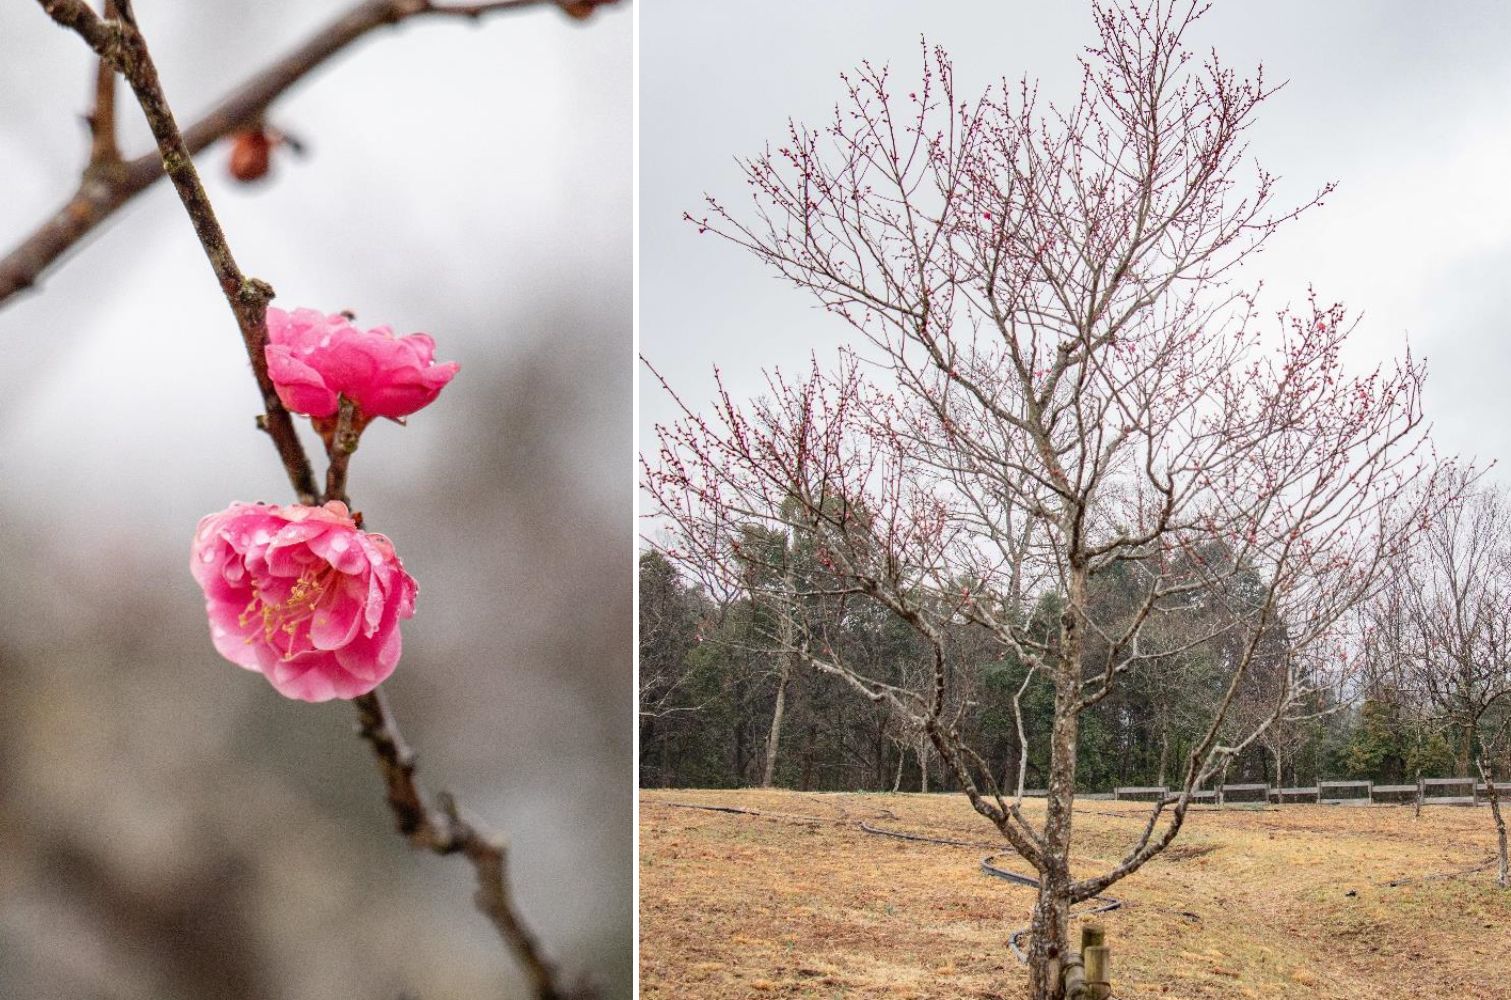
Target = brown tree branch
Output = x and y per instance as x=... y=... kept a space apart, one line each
x=102 y=145
x=104 y=154
x=442 y=830
x=439 y=829
x=121 y=44
x=477 y=10
x=343 y=442
x=98 y=197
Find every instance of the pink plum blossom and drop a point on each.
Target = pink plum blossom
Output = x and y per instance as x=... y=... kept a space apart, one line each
x=303 y=596
x=316 y=359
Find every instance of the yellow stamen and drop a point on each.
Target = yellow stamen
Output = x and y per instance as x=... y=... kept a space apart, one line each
x=285 y=616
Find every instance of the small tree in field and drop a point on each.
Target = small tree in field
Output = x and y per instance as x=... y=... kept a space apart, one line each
x=1063 y=391
x=1442 y=633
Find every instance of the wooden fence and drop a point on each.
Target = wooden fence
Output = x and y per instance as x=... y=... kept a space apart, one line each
x=1424 y=785
x=1426 y=791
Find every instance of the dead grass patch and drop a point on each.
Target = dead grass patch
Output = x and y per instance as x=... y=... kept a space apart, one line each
x=1283 y=903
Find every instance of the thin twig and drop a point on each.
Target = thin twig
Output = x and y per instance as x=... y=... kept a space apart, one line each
x=441 y=830
x=575 y=8
x=121 y=44
x=98 y=197
x=474 y=10
x=104 y=154
x=339 y=450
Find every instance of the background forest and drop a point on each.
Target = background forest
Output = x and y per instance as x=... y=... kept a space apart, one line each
x=717 y=711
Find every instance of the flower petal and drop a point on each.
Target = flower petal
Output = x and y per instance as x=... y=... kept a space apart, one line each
x=303 y=596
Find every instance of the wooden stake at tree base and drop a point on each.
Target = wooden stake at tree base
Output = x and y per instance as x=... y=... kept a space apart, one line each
x=1095 y=957
x=1085 y=975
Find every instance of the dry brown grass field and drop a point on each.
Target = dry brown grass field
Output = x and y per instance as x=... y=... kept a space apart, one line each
x=1279 y=902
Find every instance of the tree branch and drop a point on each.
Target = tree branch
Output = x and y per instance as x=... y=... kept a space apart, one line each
x=477 y=10
x=121 y=44
x=441 y=830
x=98 y=197
x=104 y=154
x=343 y=442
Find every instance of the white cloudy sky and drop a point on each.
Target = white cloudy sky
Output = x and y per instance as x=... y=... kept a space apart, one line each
x=1402 y=103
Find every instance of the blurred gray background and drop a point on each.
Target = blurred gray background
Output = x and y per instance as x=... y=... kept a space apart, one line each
x=169 y=826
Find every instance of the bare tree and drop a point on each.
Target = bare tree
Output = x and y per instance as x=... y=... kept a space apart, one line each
x=1442 y=631
x=908 y=730
x=1063 y=387
x=672 y=618
x=785 y=613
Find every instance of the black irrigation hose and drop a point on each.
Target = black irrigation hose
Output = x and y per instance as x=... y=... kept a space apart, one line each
x=717 y=809
x=917 y=837
x=1013 y=939
x=987 y=866
x=779 y=817
x=1441 y=875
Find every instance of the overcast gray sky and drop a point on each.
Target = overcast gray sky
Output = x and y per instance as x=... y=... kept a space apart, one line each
x=1402 y=103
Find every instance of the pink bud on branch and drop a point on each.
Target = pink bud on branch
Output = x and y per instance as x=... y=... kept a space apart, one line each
x=315 y=359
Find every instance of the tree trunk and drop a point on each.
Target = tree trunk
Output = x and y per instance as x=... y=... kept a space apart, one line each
x=738 y=749
x=649 y=748
x=1503 y=873
x=666 y=763
x=807 y=783
x=902 y=758
x=774 y=735
x=1052 y=911
x=922 y=751
x=788 y=635
x=1050 y=936
x=1164 y=754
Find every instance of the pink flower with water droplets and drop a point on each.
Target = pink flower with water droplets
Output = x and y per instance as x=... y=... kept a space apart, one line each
x=316 y=359
x=302 y=596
